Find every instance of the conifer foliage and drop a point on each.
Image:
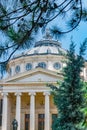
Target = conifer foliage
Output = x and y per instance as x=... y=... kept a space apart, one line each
x=68 y=97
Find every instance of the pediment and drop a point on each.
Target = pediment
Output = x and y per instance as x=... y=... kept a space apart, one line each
x=36 y=75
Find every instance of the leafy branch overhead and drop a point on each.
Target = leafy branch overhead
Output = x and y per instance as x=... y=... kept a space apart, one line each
x=21 y=19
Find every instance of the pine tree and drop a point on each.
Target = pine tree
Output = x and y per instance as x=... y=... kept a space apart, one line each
x=68 y=97
x=84 y=109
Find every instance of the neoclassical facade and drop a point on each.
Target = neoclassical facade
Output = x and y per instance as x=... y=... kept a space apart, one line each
x=24 y=94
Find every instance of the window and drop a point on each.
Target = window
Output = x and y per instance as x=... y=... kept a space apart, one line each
x=48 y=51
x=57 y=65
x=17 y=69
x=28 y=66
x=1 y=102
x=42 y=65
x=27 y=121
x=35 y=51
x=41 y=122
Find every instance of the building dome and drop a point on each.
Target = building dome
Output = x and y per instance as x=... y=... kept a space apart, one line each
x=43 y=47
x=46 y=47
x=47 y=54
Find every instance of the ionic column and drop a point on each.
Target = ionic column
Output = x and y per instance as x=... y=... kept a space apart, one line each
x=4 y=111
x=47 y=111
x=32 y=111
x=18 y=109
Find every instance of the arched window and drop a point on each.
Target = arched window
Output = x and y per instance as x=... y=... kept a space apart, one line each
x=42 y=65
x=48 y=51
x=35 y=51
x=17 y=69
x=28 y=66
x=57 y=65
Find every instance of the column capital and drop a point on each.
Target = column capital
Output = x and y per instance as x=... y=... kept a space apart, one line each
x=4 y=94
x=46 y=93
x=32 y=93
x=18 y=94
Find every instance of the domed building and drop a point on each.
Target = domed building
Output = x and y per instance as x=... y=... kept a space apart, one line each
x=25 y=95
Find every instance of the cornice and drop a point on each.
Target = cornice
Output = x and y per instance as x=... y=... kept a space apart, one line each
x=32 y=57
x=31 y=72
x=26 y=83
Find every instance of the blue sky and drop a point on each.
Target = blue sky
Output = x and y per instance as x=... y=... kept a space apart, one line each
x=78 y=34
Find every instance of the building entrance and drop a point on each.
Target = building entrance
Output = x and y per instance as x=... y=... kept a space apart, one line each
x=27 y=121
x=40 y=121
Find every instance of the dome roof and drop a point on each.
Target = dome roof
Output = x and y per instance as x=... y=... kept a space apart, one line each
x=46 y=47
x=43 y=51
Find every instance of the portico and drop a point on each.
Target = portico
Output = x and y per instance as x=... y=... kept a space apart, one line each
x=32 y=109
x=27 y=99
x=29 y=102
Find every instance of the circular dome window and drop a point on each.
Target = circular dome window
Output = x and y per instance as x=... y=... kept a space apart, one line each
x=17 y=69
x=28 y=66
x=42 y=65
x=57 y=65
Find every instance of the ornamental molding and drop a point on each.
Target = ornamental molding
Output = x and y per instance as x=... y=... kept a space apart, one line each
x=11 y=84
x=31 y=58
x=26 y=90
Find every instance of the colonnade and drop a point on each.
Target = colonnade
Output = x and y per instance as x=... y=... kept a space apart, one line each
x=32 y=110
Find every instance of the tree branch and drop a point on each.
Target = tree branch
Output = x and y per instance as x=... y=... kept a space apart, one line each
x=6 y=48
x=10 y=55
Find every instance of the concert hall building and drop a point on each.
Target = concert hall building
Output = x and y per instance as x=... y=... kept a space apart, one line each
x=24 y=94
